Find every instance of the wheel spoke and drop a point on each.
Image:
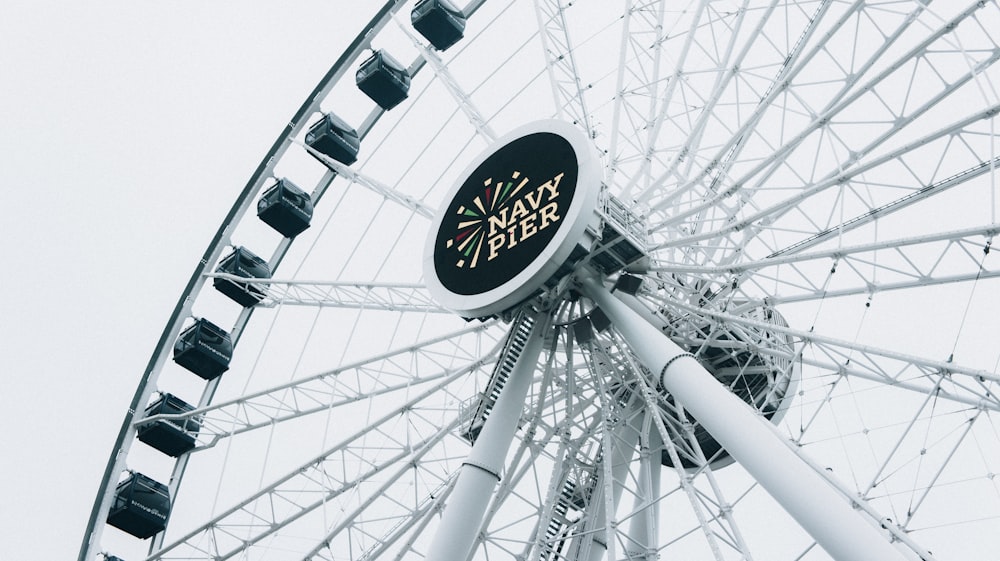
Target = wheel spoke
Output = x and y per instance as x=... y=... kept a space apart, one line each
x=432 y=361
x=884 y=177
x=332 y=294
x=840 y=114
x=896 y=264
x=567 y=85
x=461 y=97
x=410 y=527
x=639 y=111
x=314 y=484
x=788 y=68
x=373 y=184
x=969 y=386
x=723 y=81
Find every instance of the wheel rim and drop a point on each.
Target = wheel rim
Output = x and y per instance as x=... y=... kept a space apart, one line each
x=820 y=179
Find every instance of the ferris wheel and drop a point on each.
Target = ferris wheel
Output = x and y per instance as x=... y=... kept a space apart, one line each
x=548 y=280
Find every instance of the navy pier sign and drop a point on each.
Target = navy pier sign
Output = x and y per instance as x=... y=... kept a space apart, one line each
x=514 y=216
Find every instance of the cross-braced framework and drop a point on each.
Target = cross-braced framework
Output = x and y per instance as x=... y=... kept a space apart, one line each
x=782 y=334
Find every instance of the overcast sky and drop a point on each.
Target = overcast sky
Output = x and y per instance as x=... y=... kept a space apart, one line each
x=126 y=131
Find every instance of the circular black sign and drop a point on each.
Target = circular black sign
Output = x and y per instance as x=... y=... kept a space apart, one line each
x=505 y=213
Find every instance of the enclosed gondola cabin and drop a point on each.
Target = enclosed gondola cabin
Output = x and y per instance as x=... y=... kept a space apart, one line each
x=205 y=349
x=286 y=208
x=242 y=263
x=439 y=21
x=334 y=138
x=173 y=438
x=141 y=506
x=383 y=79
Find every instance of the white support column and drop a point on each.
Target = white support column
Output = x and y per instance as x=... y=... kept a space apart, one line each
x=644 y=524
x=750 y=439
x=480 y=473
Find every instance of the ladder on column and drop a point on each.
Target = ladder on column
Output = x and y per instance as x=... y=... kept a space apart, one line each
x=576 y=492
x=518 y=337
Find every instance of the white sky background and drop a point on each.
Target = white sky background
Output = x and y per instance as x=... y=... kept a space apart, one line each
x=127 y=128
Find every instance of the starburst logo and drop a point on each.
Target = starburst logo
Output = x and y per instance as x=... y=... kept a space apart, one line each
x=505 y=214
x=502 y=217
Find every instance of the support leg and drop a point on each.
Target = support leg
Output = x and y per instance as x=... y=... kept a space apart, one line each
x=749 y=439
x=480 y=473
x=644 y=524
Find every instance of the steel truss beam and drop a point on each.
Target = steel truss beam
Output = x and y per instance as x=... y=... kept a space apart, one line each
x=692 y=142
x=966 y=385
x=956 y=256
x=461 y=97
x=525 y=460
x=918 y=187
x=643 y=95
x=376 y=450
x=826 y=121
x=849 y=94
x=567 y=87
x=860 y=188
x=432 y=361
x=727 y=154
x=372 y=184
x=391 y=297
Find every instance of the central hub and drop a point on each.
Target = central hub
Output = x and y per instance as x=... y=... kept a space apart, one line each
x=516 y=214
